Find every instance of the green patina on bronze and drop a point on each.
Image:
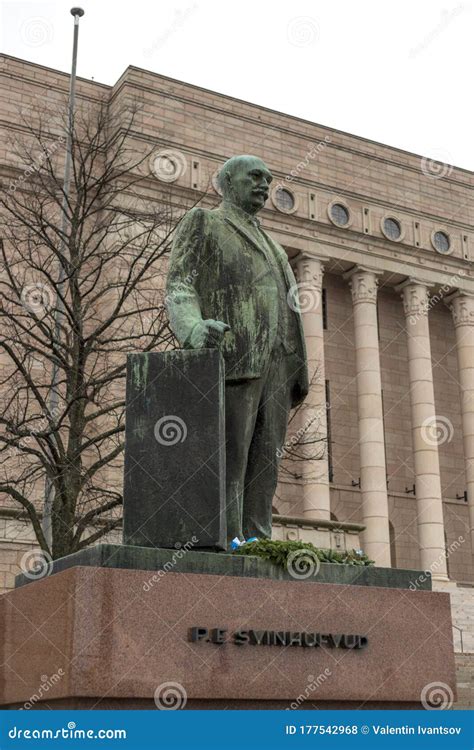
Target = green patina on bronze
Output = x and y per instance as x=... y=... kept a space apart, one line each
x=228 y=288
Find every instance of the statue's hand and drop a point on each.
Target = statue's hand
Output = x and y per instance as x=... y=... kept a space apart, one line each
x=207 y=334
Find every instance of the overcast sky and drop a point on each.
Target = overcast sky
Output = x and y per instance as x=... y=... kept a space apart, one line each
x=395 y=72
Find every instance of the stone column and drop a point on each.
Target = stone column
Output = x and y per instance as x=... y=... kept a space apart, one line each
x=373 y=473
x=429 y=503
x=313 y=421
x=461 y=305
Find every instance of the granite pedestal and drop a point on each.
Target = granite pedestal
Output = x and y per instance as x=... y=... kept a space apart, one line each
x=121 y=637
x=174 y=479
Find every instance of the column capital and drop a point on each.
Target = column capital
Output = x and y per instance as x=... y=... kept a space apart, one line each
x=414 y=293
x=308 y=255
x=461 y=305
x=310 y=270
x=363 y=283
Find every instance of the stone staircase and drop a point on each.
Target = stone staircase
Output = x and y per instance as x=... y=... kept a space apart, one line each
x=462 y=611
x=465 y=681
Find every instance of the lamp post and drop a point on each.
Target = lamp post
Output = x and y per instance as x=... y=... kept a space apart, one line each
x=53 y=399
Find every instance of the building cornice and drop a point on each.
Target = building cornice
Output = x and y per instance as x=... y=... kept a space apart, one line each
x=122 y=80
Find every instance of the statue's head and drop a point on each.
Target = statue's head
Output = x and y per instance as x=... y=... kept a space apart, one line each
x=245 y=181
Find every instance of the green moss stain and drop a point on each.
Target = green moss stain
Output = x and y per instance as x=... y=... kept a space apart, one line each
x=141 y=427
x=140 y=370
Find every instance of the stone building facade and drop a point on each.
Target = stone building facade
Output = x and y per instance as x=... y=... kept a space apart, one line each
x=382 y=242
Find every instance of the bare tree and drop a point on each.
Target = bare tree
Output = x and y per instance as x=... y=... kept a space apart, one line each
x=81 y=284
x=306 y=438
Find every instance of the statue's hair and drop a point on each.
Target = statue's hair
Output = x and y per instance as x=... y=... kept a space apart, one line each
x=229 y=167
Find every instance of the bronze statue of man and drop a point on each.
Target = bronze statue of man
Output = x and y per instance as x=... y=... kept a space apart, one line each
x=230 y=286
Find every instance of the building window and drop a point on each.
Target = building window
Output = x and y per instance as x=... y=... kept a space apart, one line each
x=329 y=438
x=391 y=228
x=284 y=200
x=441 y=242
x=325 y=309
x=339 y=214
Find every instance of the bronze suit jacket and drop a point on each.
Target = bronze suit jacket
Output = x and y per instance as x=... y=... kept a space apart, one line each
x=219 y=269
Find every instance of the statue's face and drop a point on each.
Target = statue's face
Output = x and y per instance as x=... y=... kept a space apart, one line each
x=249 y=185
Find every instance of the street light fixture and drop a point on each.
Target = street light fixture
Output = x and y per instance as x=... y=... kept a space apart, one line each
x=53 y=400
